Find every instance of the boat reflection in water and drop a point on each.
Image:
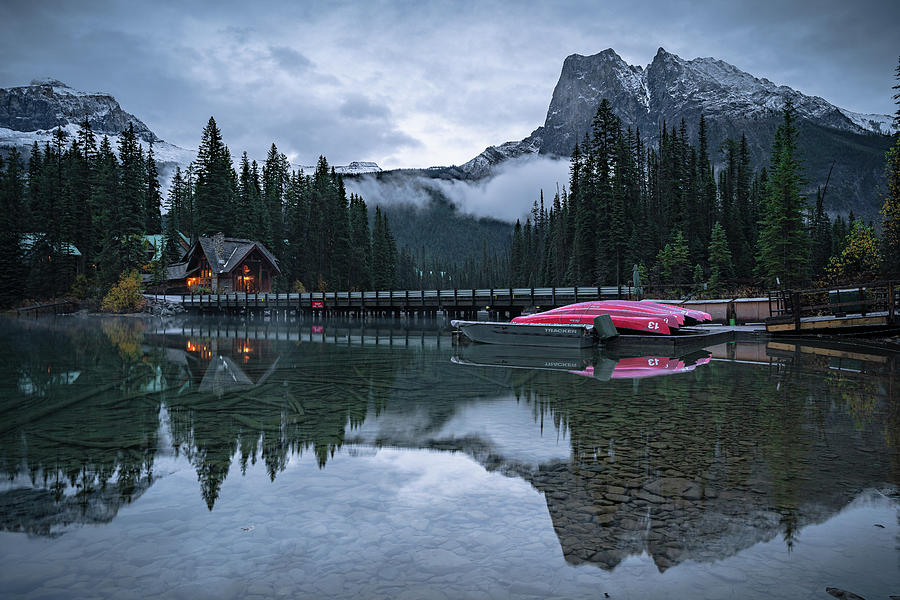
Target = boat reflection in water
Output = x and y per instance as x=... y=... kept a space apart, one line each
x=602 y=365
x=360 y=447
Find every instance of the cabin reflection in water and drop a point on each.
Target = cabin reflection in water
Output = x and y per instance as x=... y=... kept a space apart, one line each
x=744 y=443
x=218 y=365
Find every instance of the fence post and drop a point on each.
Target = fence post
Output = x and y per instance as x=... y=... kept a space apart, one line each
x=795 y=301
x=891 y=302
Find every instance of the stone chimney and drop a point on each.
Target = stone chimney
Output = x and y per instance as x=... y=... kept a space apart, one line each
x=219 y=246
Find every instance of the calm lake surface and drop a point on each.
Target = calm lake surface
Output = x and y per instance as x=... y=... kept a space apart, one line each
x=212 y=458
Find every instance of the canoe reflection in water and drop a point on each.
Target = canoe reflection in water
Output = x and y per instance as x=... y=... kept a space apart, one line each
x=602 y=365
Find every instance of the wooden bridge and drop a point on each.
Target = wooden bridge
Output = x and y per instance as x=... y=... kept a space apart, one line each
x=499 y=302
x=848 y=309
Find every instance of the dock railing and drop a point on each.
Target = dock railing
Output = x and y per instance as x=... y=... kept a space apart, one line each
x=876 y=297
x=506 y=298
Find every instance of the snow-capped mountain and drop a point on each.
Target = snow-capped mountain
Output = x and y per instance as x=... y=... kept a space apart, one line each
x=48 y=103
x=31 y=113
x=733 y=102
x=357 y=167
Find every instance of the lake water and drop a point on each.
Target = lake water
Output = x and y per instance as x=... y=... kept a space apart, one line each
x=212 y=458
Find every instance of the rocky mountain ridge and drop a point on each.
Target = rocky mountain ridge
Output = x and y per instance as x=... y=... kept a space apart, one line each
x=733 y=103
x=46 y=104
x=31 y=113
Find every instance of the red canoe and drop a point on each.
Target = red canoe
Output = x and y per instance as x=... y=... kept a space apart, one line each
x=584 y=313
x=633 y=307
x=697 y=316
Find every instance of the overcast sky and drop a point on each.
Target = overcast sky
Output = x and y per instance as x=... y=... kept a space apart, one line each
x=414 y=84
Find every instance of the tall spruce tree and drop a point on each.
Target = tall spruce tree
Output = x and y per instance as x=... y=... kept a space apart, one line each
x=783 y=247
x=361 y=245
x=132 y=191
x=720 y=261
x=153 y=197
x=275 y=176
x=214 y=183
x=12 y=194
x=104 y=194
x=890 y=210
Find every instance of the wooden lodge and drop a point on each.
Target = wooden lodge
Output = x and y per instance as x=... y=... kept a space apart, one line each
x=224 y=265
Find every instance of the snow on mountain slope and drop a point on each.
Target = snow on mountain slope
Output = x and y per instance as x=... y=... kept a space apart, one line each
x=883 y=124
x=668 y=90
x=357 y=167
x=31 y=113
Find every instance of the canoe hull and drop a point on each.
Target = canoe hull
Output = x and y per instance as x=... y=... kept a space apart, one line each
x=553 y=335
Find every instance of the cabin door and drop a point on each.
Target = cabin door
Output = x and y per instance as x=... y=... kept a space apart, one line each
x=248 y=282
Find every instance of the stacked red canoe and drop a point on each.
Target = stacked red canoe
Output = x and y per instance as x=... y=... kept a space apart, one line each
x=628 y=316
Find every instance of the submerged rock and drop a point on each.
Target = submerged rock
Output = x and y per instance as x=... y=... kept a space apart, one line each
x=843 y=594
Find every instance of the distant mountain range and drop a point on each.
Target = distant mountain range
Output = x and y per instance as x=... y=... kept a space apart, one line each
x=733 y=102
x=667 y=90
x=31 y=113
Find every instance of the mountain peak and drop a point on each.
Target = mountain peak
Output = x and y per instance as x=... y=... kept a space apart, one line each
x=609 y=53
x=49 y=103
x=44 y=81
x=671 y=89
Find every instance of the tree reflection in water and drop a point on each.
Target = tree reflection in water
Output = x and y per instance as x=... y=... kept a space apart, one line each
x=697 y=465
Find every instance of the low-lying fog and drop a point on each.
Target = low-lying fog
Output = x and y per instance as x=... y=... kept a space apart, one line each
x=507 y=195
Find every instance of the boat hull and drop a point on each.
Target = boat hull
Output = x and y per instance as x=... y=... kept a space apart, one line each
x=623 y=323
x=553 y=335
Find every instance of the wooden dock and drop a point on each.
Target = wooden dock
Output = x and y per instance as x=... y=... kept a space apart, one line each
x=860 y=309
x=37 y=309
x=498 y=302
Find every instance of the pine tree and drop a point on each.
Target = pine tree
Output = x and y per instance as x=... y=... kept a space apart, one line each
x=214 y=184
x=85 y=237
x=275 y=176
x=153 y=197
x=107 y=220
x=132 y=191
x=12 y=194
x=132 y=201
x=361 y=246
x=340 y=243
x=720 y=265
x=820 y=230
x=517 y=255
x=384 y=253
x=674 y=259
x=890 y=210
x=783 y=247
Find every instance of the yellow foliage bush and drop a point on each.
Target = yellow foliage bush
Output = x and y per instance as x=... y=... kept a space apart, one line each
x=125 y=296
x=859 y=260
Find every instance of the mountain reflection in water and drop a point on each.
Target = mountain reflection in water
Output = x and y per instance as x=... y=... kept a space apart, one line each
x=742 y=443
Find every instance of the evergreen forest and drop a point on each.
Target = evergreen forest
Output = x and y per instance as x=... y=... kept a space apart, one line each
x=81 y=213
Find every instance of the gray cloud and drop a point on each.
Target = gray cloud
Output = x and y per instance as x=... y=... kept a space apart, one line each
x=358 y=106
x=409 y=84
x=289 y=59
